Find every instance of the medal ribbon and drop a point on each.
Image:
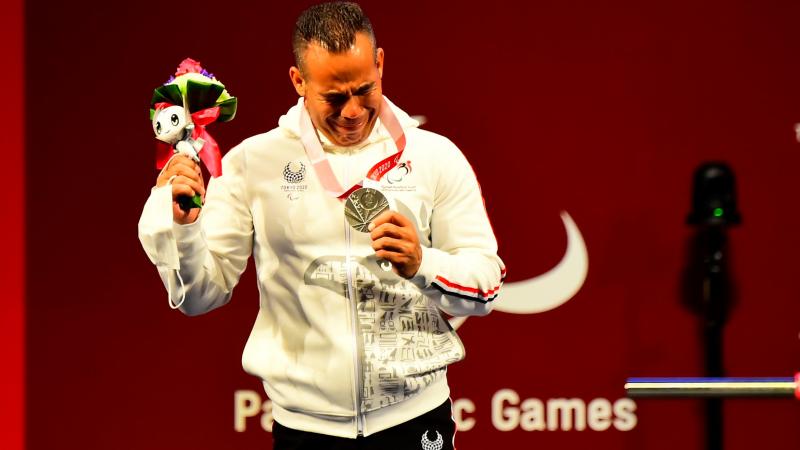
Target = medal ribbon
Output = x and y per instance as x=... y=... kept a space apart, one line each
x=322 y=166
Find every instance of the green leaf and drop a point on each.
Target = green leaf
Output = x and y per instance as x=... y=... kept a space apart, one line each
x=200 y=95
x=227 y=109
x=169 y=93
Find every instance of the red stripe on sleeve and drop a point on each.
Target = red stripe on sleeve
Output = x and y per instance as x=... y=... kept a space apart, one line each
x=468 y=289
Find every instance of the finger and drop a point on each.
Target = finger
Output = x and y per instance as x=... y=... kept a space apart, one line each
x=402 y=264
x=397 y=259
x=182 y=189
x=180 y=158
x=185 y=161
x=391 y=244
x=390 y=216
x=184 y=167
x=186 y=172
x=196 y=186
x=387 y=230
x=382 y=218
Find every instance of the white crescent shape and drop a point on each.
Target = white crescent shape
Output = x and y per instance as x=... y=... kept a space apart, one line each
x=553 y=288
x=550 y=289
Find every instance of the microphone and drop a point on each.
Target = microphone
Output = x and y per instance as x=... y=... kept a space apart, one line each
x=708 y=288
x=714 y=196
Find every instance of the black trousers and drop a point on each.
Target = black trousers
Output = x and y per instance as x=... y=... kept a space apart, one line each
x=433 y=430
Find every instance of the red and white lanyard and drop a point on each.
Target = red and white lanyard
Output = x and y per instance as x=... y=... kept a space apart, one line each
x=322 y=166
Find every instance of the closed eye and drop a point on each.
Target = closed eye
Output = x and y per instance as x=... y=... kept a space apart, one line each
x=364 y=90
x=336 y=99
x=339 y=98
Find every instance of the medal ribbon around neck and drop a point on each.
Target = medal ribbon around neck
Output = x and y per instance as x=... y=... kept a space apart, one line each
x=322 y=166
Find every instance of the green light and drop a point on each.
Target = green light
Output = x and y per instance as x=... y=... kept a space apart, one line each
x=718 y=212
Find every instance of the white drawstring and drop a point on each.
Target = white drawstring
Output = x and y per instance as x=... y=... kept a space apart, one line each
x=183 y=292
x=177 y=272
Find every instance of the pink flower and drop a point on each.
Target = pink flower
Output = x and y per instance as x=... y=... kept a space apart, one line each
x=189 y=65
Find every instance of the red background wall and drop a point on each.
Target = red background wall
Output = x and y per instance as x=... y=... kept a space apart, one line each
x=12 y=321
x=601 y=109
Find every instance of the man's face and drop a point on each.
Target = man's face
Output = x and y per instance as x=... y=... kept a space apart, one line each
x=342 y=90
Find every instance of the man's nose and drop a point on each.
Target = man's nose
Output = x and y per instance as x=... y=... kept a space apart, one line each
x=352 y=109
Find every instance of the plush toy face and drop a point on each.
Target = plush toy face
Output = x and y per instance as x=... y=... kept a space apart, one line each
x=168 y=124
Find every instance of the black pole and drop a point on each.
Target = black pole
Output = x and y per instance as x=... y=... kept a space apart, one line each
x=716 y=302
x=707 y=286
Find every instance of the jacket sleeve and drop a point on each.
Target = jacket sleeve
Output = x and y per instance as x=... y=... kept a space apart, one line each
x=461 y=270
x=200 y=263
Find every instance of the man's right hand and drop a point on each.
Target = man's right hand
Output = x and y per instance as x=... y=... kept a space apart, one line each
x=188 y=182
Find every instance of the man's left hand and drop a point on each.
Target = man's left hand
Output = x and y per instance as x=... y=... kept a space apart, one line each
x=395 y=239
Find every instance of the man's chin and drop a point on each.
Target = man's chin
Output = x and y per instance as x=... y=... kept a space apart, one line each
x=348 y=139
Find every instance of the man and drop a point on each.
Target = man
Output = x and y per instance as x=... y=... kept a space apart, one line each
x=349 y=339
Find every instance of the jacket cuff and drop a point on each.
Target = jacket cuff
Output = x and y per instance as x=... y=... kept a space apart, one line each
x=428 y=268
x=187 y=236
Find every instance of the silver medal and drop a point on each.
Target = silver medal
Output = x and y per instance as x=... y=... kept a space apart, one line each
x=363 y=206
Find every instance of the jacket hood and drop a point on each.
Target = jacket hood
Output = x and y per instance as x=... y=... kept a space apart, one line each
x=289 y=123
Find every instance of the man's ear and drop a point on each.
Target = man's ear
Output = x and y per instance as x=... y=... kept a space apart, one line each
x=379 y=61
x=298 y=81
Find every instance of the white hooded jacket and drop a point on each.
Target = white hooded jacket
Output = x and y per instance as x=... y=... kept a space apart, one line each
x=344 y=348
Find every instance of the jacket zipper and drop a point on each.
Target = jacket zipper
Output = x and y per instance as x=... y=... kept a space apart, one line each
x=352 y=301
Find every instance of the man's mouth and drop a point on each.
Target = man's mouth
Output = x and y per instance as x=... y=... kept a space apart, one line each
x=350 y=126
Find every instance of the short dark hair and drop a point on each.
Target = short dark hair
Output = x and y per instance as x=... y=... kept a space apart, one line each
x=333 y=26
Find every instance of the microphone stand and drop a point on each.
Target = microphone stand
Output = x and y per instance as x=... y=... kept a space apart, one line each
x=716 y=301
x=708 y=288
